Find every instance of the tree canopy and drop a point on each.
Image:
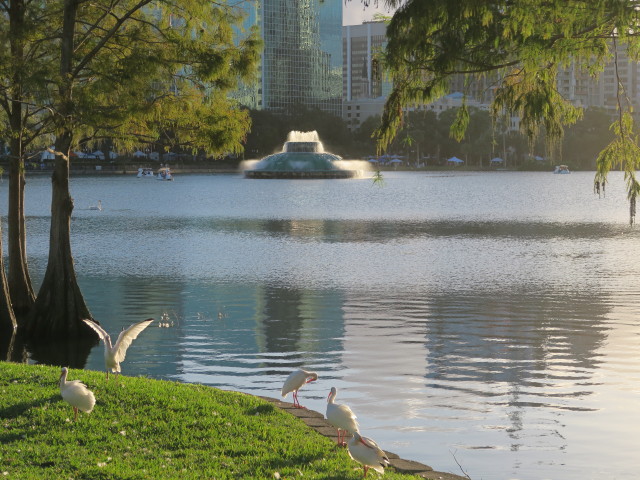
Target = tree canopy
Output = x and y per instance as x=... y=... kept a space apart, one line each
x=515 y=50
x=79 y=71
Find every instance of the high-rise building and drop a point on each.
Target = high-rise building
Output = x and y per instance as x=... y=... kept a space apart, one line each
x=364 y=89
x=302 y=57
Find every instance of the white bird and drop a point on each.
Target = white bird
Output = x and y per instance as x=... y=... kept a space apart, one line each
x=76 y=393
x=341 y=417
x=295 y=381
x=368 y=453
x=96 y=207
x=114 y=354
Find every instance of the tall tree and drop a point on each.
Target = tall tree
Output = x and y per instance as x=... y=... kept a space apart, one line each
x=8 y=323
x=505 y=44
x=133 y=72
x=22 y=73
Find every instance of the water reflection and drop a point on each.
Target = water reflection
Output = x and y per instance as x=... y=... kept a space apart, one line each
x=61 y=352
x=350 y=230
x=505 y=335
x=12 y=348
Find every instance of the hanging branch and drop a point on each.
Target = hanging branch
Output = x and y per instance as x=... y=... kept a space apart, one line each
x=624 y=149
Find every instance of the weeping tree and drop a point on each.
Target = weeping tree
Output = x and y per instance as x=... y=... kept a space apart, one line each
x=134 y=71
x=515 y=49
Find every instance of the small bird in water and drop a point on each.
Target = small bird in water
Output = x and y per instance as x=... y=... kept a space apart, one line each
x=295 y=381
x=341 y=417
x=76 y=394
x=368 y=453
x=114 y=354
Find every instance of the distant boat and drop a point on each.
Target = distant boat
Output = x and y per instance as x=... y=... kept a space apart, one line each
x=164 y=174
x=145 y=173
x=96 y=207
x=561 y=169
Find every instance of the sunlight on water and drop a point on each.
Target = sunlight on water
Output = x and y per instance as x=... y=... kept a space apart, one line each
x=488 y=319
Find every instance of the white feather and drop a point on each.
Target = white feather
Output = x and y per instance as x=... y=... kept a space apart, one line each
x=367 y=452
x=76 y=393
x=340 y=416
x=296 y=380
x=114 y=354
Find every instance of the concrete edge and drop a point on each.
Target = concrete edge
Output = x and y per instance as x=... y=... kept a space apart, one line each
x=316 y=421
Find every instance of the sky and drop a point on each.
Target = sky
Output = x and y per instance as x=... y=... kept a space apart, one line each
x=353 y=13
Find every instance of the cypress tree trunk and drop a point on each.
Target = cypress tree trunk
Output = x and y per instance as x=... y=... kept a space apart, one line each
x=22 y=294
x=59 y=307
x=8 y=324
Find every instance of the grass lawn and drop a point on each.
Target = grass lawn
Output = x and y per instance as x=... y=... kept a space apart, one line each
x=151 y=429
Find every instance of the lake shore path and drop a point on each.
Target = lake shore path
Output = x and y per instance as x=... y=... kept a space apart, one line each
x=316 y=421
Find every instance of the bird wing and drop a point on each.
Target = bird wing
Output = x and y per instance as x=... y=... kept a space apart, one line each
x=293 y=382
x=351 y=418
x=342 y=417
x=127 y=336
x=104 y=336
x=372 y=445
x=77 y=394
x=346 y=411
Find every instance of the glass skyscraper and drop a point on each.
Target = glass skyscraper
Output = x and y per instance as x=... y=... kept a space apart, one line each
x=302 y=57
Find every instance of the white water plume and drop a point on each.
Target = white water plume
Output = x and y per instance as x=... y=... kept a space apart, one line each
x=297 y=136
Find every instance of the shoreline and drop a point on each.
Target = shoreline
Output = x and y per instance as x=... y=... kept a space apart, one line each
x=227 y=168
x=317 y=422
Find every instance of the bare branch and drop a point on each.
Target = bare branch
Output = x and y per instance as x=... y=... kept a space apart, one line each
x=453 y=454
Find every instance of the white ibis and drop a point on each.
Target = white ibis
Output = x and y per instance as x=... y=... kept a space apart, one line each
x=114 y=354
x=76 y=394
x=368 y=453
x=295 y=381
x=341 y=417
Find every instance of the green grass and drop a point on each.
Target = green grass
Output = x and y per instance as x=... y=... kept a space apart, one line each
x=152 y=429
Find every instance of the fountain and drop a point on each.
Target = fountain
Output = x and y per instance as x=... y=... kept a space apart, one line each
x=302 y=156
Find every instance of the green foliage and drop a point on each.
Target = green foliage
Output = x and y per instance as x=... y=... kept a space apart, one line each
x=139 y=71
x=622 y=152
x=515 y=48
x=150 y=429
x=26 y=50
x=461 y=123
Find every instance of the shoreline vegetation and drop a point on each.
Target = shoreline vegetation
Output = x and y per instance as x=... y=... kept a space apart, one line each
x=143 y=428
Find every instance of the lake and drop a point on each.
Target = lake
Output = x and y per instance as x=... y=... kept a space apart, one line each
x=488 y=319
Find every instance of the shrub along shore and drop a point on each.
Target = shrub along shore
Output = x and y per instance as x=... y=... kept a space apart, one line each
x=153 y=429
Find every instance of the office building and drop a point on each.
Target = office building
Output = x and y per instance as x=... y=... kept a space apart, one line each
x=302 y=58
x=364 y=88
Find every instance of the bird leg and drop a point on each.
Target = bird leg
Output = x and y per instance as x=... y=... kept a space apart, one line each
x=296 y=402
x=366 y=469
x=75 y=411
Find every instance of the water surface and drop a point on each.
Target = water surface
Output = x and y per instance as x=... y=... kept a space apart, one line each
x=485 y=319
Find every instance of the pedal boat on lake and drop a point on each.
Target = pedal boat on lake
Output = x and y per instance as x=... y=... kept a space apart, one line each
x=145 y=173
x=164 y=173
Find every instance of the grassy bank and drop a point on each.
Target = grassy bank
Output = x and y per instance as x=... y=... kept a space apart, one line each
x=151 y=429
